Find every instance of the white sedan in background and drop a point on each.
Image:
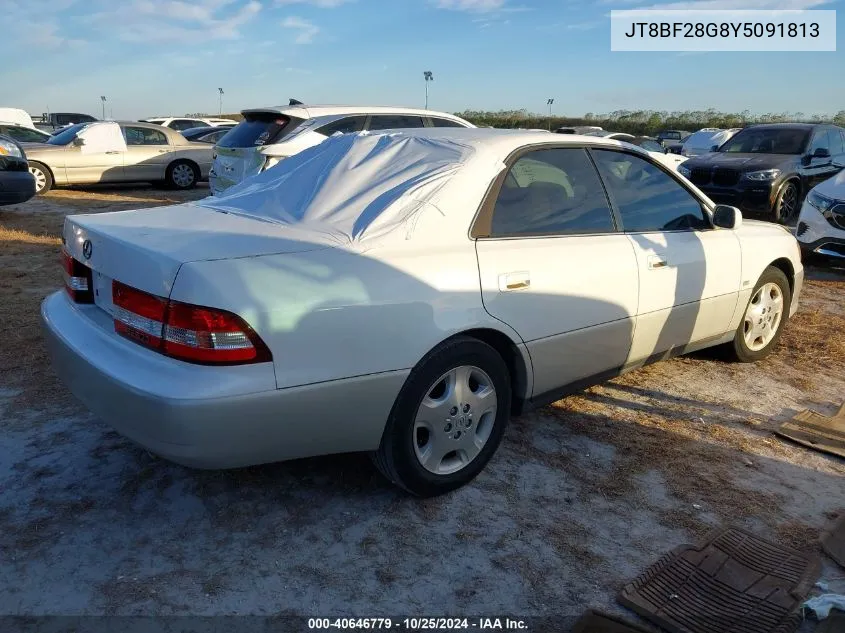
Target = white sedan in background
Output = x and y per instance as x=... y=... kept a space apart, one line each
x=404 y=293
x=821 y=225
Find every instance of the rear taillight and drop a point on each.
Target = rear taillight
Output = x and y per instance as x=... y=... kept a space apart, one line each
x=79 y=283
x=191 y=333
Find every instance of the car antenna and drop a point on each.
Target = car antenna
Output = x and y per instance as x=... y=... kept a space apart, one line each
x=294 y=102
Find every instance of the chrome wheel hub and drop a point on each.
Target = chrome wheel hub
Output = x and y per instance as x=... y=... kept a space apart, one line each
x=763 y=316
x=183 y=175
x=40 y=178
x=454 y=420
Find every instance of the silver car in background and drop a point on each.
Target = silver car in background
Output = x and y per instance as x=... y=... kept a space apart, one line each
x=112 y=151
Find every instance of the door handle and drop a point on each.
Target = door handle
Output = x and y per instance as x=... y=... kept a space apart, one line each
x=655 y=262
x=514 y=281
x=112 y=152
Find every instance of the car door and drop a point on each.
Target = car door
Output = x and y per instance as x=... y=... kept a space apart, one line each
x=818 y=169
x=836 y=146
x=689 y=271
x=95 y=155
x=555 y=268
x=147 y=153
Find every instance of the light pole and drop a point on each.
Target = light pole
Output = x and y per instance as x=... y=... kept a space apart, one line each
x=429 y=76
x=103 y=99
x=220 y=109
x=549 y=103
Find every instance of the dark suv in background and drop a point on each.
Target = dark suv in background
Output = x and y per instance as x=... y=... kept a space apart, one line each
x=769 y=168
x=16 y=183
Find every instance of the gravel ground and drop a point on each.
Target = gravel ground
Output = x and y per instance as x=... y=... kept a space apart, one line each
x=581 y=497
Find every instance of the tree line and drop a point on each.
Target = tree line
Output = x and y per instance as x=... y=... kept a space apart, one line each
x=642 y=122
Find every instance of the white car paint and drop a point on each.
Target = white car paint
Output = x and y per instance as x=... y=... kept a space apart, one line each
x=353 y=261
x=234 y=163
x=821 y=225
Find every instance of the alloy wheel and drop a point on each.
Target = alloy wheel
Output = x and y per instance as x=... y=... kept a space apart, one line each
x=763 y=316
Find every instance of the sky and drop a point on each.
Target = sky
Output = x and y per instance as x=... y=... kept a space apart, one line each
x=169 y=57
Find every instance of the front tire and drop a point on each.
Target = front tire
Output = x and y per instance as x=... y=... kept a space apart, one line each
x=43 y=177
x=786 y=206
x=181 y=174
x=448 y=419
x=765 y=317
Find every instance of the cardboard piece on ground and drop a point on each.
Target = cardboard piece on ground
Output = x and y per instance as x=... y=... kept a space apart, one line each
x=817 y=431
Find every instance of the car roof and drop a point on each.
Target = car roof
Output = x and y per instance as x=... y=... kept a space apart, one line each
x=504 y=142
x=313 y=111
x=786 y=126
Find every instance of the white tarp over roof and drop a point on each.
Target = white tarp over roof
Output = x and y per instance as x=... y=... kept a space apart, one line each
x=352 y=186
x=102 y=136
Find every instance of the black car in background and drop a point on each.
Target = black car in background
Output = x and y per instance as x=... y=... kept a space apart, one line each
x=206 y=134
x=16 y=183
x=769 y=168
x=672 y=140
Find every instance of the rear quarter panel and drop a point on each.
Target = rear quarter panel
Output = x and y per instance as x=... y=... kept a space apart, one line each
x=199 y=153
x=335 y=313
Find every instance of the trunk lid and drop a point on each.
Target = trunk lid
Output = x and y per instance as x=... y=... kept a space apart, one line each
x=145 y=248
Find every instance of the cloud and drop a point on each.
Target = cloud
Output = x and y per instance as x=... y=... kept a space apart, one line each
x=175 y=20
x=474 y=6
x=307 y=30
x=724 y=5
x=323 y=4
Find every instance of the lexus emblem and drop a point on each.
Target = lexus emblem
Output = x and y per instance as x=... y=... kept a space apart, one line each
x=87 y=249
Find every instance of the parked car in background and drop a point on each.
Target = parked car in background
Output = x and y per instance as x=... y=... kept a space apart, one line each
x=268 y=135
x=111 y=151
x=706 y=140
x=206 y=134
x=16 y=116
x=578 y=129
x=16 y=183
x=23 y=134
x=186 y=123
x=404 y=293
x=769 y=168
x=55 y=121
x=646 y=142
x=821 y=225
x=672 y=140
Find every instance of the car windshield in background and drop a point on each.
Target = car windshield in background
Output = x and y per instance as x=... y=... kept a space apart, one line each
x=67 y=135
x=23 y=134
x=255 y=131
x=768 y=141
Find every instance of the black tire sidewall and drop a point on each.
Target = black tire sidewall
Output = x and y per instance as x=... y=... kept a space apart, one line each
x=48 y=177
x=169 y=175
x=741 y=349
x=397 y=442
x=779 y=200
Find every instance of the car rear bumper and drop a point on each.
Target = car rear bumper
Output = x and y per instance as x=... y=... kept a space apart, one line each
x=191 y=415
x=16 y=187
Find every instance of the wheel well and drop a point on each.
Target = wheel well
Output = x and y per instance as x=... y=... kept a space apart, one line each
x=513 y=359
x=785 y=266
x=45 y=167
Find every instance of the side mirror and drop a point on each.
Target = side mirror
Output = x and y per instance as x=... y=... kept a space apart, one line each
x=821 y=152
x=727 y=217
x=714 y=148
x=78 y=142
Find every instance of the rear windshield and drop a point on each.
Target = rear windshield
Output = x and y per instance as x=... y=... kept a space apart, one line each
x=257 y=130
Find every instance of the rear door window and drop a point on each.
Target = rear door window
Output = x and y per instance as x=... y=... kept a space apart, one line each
x=258 y=129
x=143 y=136
x=346 y=125
x=437 y=122
x=835 y=142
x=395 y=121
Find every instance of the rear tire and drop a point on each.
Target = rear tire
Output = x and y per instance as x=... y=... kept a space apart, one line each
x=182 y=174
x=765 y=316
x=448 y=419
x=43 y=177
x=787 y=204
